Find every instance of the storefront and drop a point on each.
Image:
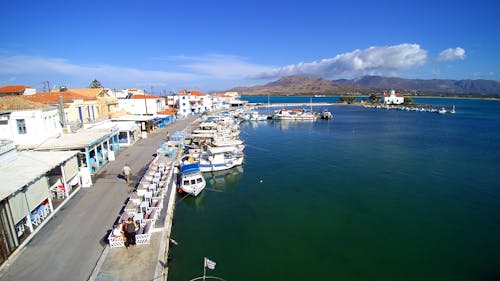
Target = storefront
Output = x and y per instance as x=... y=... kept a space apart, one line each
x=94 y=146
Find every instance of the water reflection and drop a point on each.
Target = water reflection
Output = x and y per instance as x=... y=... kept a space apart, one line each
x=219 y=181
x=287 y=124
x=222 y=180
x=193 y=202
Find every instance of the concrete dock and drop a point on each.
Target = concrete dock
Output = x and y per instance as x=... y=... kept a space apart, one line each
x=72 y=245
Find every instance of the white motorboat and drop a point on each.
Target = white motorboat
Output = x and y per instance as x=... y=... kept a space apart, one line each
x=452 y=111
x=253 y=116
x=229 y=142
x=191 y=180
x=220 y=158
x=294 y=114
x=442 y=110
x=326 y=115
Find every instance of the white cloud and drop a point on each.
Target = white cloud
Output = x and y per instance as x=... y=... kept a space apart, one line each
x=212 y=71
x=373 y=60
x=43 y=67
x=451 y=54
x=220 y=66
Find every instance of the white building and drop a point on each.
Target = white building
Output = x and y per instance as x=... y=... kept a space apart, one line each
x=128 y=131
x=192 y=102
x=28 y=123
x=16 y=90
x=227 y=100
x=125 y=93
x=142 y=104
x=393 y=98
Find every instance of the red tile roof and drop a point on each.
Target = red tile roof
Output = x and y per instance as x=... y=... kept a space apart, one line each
x=223 y=95
x=53 y=97
x=13 y=88
x=20 y=103
x=196 y=93
x=89 y=92
x=190 y=93
x=142 y=97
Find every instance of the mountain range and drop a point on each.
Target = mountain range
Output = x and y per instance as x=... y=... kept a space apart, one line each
x=299 y=85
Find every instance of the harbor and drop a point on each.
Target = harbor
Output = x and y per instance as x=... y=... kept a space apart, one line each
x=300 y=201
x=254 y=140
x=282 y=159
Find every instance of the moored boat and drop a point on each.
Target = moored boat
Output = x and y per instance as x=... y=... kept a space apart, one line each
x=220 y=158
x=191 y=180
x=294 y=114
x=326 y=115
x=253 y=116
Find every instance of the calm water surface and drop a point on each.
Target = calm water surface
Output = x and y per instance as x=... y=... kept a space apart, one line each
x=371 y=195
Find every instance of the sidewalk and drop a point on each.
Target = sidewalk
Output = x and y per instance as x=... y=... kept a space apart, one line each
x=145 y=262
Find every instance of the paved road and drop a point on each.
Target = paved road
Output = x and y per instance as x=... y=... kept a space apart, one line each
x=69 y=245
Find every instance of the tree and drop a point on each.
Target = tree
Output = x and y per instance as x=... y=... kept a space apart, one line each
x=347 y=99
x=408 y=100
x=374 y=98
x=96 y=84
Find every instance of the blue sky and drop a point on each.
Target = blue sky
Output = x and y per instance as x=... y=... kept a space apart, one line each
x=215 y=45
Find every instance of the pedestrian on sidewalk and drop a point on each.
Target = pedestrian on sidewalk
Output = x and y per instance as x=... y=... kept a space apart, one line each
x=126 y=172
x=130 y=229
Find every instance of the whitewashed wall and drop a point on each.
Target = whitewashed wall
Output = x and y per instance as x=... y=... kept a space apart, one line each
x=40 y=125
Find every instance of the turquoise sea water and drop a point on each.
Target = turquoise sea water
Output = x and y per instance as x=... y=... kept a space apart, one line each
x=371 y=195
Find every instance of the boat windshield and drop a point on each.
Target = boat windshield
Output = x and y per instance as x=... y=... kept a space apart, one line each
x=186 y=182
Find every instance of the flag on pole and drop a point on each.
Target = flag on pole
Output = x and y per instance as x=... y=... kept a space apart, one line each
x=209 y=264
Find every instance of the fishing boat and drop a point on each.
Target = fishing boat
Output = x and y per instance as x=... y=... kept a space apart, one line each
x=220 y=158
x=294 y=114
x=191 y=180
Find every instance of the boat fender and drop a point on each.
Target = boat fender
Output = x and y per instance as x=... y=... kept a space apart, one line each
x=179 y=190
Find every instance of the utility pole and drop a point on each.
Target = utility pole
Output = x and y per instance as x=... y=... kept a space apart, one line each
x=145 y=102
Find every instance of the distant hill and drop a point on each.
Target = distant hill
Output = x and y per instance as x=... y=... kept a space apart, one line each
x=428 y=87
x=299 y=85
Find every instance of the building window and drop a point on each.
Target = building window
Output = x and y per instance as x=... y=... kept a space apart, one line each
x=21 y=126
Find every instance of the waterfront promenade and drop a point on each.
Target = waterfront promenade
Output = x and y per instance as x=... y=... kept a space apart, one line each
x=73 y=242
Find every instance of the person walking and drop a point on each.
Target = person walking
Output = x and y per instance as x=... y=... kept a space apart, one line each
x=130 y=229
x=126 y=172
